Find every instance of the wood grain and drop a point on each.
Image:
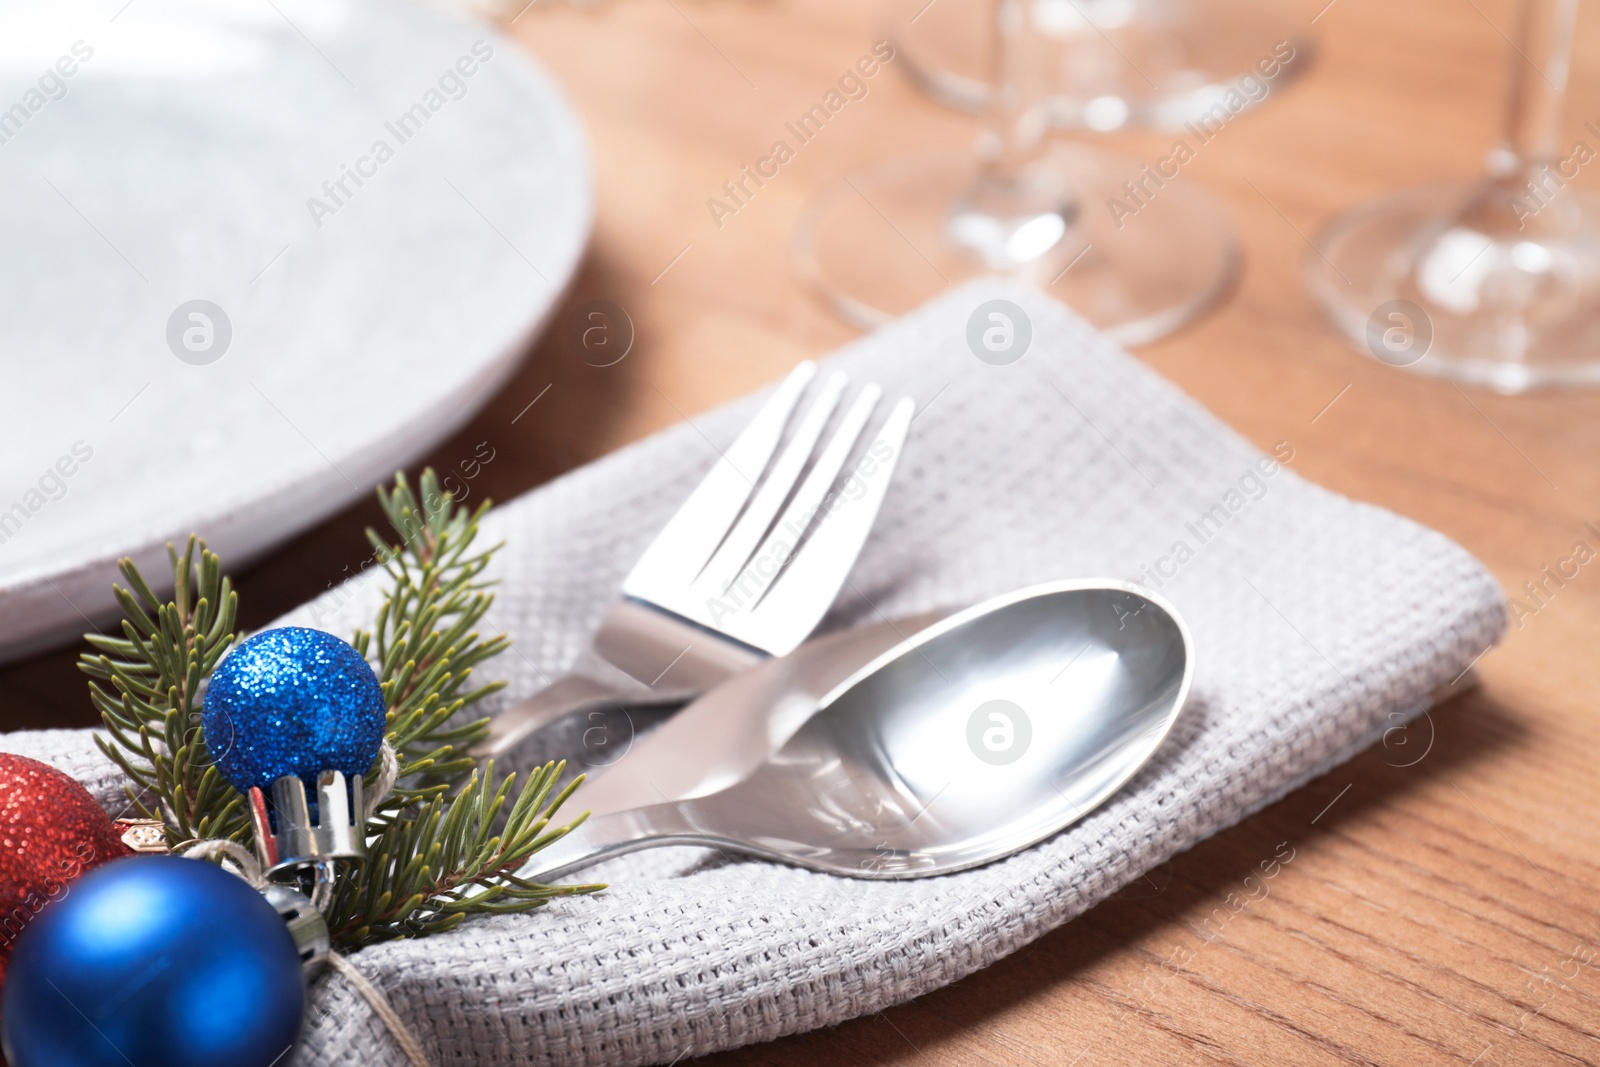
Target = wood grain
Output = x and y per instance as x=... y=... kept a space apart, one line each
x=1439 y=906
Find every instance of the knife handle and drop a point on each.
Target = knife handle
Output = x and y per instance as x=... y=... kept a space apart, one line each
x=565 y=696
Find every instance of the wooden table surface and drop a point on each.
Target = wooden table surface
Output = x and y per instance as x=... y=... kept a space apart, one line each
x=1440 y=905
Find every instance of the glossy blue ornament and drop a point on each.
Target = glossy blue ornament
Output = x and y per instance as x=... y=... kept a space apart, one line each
x=292 y=702
x=158 y=962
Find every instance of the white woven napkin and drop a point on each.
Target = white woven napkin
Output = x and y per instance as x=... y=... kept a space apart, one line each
x=1318 y=622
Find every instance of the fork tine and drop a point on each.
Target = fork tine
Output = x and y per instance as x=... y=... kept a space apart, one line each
x=808 y=586
x=695 y=531
x=789 y=531
x=752 y=526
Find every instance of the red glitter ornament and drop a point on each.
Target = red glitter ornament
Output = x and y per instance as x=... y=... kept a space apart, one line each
x=51 y=833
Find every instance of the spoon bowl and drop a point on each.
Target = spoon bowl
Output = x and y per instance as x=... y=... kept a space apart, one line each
x=977 y=737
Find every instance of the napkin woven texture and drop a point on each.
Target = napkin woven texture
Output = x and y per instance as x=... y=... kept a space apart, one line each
x=1320 y=623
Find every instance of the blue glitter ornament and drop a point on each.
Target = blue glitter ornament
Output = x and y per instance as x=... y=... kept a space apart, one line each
x=292 y=701
x=299 y=714
x=154 y=960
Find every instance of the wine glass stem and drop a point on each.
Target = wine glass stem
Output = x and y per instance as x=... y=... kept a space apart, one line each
x=1538 y=87
x=1013 y=123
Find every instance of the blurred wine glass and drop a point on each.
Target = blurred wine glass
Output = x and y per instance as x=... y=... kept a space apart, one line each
x=1134 y=246
x=1493 y=281
x=1110 y=64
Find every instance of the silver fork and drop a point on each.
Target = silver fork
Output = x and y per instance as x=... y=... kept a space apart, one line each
x=749 y=564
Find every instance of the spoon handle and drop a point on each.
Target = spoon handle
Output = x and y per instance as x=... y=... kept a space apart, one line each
x=613 y=835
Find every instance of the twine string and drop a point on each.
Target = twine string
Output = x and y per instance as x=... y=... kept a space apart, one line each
x=380 y=1004
x=244 y=861
x=388 y=772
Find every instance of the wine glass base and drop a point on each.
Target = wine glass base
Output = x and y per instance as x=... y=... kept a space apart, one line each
x=1115 y=63
x=1414 y=284
x=878 y=243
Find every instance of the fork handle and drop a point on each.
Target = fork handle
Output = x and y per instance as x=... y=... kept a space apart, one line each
x=565 y=696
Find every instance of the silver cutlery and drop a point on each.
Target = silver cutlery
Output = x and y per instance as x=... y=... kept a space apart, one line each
x=749 y=564
x=731 y=730
x=979 y=736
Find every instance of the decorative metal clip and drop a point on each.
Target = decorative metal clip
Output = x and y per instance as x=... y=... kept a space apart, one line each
x=306 y=925
x=339 y=831
x=143 y=835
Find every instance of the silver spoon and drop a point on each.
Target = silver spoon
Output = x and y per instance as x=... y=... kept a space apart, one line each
x=979 y=736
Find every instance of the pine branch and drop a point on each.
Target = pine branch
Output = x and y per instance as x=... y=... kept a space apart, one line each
x=436 y=858
x=427 y=873
x=443 y=846
x=423 y=643
x=147 y=689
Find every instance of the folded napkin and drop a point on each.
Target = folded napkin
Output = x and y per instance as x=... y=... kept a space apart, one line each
x=1318 y=623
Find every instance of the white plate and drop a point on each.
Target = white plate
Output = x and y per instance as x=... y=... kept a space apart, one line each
x=179 y=162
